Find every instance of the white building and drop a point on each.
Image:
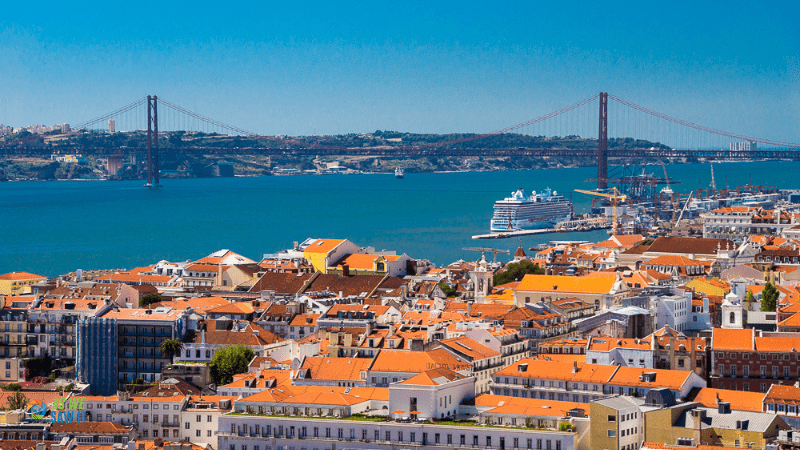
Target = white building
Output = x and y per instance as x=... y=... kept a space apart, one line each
x=435 y=393
x=243 y=432
x=674 y=311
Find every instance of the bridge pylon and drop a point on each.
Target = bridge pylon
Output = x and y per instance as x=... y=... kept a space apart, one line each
x=602 y=143
x=153 y=166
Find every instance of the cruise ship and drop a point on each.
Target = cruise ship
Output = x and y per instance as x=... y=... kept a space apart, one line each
x=539 y=210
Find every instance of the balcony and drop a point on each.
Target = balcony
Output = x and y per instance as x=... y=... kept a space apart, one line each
x=170 y=424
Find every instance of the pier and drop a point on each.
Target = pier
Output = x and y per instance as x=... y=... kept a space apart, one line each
x=588 y=224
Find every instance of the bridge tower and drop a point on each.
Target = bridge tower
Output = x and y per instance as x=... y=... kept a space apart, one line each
x=602 y=143
x=152 y=142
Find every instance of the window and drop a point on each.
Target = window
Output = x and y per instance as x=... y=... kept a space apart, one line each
x=612 y=418
x=197 y=433
x=186 y=425
x=612 y=433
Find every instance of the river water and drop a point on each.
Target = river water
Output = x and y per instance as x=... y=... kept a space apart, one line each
x=53 y=227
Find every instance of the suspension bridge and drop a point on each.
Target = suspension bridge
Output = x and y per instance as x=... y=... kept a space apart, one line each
x=589 y=128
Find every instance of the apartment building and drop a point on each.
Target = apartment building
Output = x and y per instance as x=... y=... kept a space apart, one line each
x=744 y=360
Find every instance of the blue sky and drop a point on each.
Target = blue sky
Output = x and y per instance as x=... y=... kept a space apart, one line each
x=337 y=67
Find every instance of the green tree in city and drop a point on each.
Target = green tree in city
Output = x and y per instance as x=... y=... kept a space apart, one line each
x=515 y=272
x=749 y=298
x=148 y=300
x=769 y=297
x=17 y=400
x=448 y=290
x=171 y=348
x=228 y=362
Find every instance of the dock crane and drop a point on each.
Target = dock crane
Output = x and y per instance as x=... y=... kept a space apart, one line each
x=614 y=198
x=686 y=205
x=713 y=182
x=483 y=251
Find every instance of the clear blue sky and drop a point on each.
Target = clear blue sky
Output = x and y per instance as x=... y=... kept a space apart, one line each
x=337 y=67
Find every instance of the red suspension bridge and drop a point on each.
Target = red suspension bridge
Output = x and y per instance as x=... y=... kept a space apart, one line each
x=588 y=128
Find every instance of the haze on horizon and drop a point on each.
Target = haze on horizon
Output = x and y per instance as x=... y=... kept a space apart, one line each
x=332 y=68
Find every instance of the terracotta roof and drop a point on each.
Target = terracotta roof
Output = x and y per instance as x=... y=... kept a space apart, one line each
x=234 y=333
x=433 y=377
x=339 y=369
x=555 y=370
x=16 y=276
x=354 y=285
x=739 y=400
x=630 y=376
x=782 y=394
x=281 y=283
x=733 y=339
x=305 y=320
x=363 y=261
x=470 y=348
x=416 y=362
x=323 y=245
x=605 y=343
x=777 y=344
x=89 y=428
x=233 y=308
x=15 y=444
x=548 y=407
x=672 y=260
x=566 y=284
x=628 y=239
x=702 y=246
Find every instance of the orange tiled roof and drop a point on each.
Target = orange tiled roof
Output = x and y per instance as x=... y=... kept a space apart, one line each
x=630 y=376
x=340 y=369
x=15 y=276
x=434 y=377
x=732 y=339
x=566 y=284
x=323 y=245
x=416 y=362
x=739 y=400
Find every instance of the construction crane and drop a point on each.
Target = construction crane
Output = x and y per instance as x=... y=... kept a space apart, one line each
x=677 y=222
x=483 y=251
x=616 y=196
x=713 y=182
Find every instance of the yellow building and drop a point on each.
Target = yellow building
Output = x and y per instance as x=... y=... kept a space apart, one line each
x=713 y=287
x=18 y=282
x=690 y=424
x=321 y=253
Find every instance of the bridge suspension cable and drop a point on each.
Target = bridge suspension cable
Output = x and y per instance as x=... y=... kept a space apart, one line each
x=114 y=113
x=513 y=127
x=703 y=128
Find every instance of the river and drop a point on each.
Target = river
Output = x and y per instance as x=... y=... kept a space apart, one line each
x=53 y=227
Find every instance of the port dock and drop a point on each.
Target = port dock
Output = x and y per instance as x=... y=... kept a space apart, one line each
x=576 y=225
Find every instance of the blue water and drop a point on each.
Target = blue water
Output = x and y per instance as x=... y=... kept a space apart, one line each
x=55 y=227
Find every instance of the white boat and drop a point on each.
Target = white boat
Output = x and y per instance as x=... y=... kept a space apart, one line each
x=537 y=211
x=398 y=172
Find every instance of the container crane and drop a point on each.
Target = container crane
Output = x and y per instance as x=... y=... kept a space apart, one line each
x=483 y=251
x=616 y=196
x=686 y=205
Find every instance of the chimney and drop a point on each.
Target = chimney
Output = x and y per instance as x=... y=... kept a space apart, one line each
x=574 y=366
x=469 y=308
x=345 y=270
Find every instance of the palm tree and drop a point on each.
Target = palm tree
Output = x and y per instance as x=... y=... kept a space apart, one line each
x=171 y=348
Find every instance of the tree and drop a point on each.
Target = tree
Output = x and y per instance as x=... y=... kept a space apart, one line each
x=515 y=272
x=148 y=300
x=769 y=297
x=448 y=290
x=171 y=348
x=17 y=400
x=749 y=297
x=228 y=362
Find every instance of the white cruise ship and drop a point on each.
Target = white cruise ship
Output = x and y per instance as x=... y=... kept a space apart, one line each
x=539 y=210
